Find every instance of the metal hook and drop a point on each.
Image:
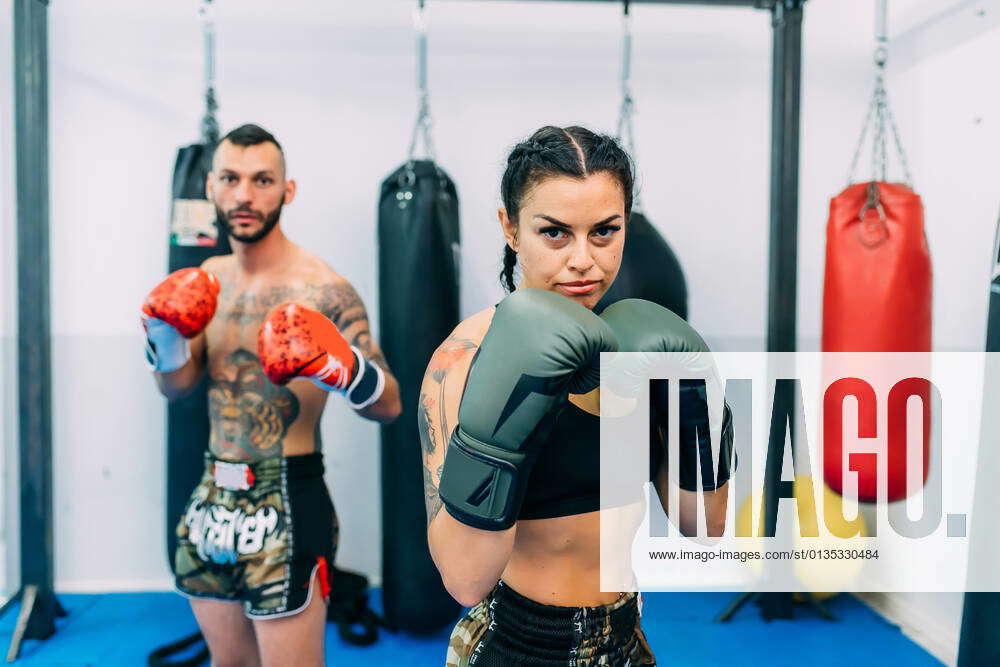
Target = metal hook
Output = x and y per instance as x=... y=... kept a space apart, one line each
x=873 y=203
x=871 y=233
x=881 y=56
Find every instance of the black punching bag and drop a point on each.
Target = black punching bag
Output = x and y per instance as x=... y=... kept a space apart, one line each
x=979 y=642
x=194 y=237
x=649 y=270
x=418 y=237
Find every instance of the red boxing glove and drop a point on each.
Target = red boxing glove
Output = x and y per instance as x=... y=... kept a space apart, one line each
x=178 y=308
x=296 y=341
x=185 y=300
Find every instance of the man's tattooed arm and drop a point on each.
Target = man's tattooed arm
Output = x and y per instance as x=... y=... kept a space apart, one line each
x=341 y=303
x=437 y=412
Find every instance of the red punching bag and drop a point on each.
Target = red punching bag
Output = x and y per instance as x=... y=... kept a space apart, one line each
x=877 y=298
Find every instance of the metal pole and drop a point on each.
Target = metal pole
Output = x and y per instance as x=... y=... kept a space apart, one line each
x=39 y=605
x=786 y=77
x=785 y=95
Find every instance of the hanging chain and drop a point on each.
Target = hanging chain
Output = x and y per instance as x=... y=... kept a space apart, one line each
x=861 y=142
x=626 y=133
x=422 y=127
x=879 y=158
x=879 y=113
x=904 y=163
x=209 y=123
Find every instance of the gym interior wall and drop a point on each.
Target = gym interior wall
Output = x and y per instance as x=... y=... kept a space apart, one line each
x=334 y=81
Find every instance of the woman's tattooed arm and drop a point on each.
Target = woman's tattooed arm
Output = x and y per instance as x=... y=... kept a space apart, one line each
x=437 y=411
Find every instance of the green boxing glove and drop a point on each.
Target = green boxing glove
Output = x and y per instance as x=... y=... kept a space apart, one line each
x=643 y=326
x=540 y=347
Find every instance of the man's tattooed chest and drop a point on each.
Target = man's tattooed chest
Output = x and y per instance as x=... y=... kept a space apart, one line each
x=241 y=312
x=242 y=308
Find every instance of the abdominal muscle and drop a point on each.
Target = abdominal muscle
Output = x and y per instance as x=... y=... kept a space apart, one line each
x=557 y=561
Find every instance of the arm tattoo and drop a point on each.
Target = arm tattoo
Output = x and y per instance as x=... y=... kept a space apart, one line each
x=341 y=303
x=428 y=437
x=432 y=409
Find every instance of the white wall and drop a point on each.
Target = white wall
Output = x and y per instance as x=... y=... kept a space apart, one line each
x=334 y=81
x=8 y=302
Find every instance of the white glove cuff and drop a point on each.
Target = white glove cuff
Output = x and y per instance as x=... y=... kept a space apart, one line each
x=166 y=349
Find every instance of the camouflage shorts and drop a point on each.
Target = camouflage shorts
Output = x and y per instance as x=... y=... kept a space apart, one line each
x=508 y=629
x=261 y=545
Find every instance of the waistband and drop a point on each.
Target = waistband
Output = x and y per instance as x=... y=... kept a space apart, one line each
x=303 y=466
x=528 y=630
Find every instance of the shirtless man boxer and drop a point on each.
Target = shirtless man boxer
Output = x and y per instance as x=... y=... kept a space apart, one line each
x=259 y=531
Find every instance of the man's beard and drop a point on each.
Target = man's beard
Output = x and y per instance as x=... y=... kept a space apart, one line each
x=269 y=221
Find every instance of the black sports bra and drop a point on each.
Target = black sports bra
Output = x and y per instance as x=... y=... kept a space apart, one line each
x=566 y=477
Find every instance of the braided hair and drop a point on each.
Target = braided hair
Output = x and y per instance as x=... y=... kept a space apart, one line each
x=556 y=151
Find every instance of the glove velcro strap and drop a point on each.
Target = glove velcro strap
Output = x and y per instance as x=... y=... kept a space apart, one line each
x=481 y=485
x=368 y=384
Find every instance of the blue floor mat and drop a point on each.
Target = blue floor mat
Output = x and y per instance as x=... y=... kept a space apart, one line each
x=122 y=628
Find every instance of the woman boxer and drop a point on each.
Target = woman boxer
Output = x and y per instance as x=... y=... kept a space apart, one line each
x=511 y=442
